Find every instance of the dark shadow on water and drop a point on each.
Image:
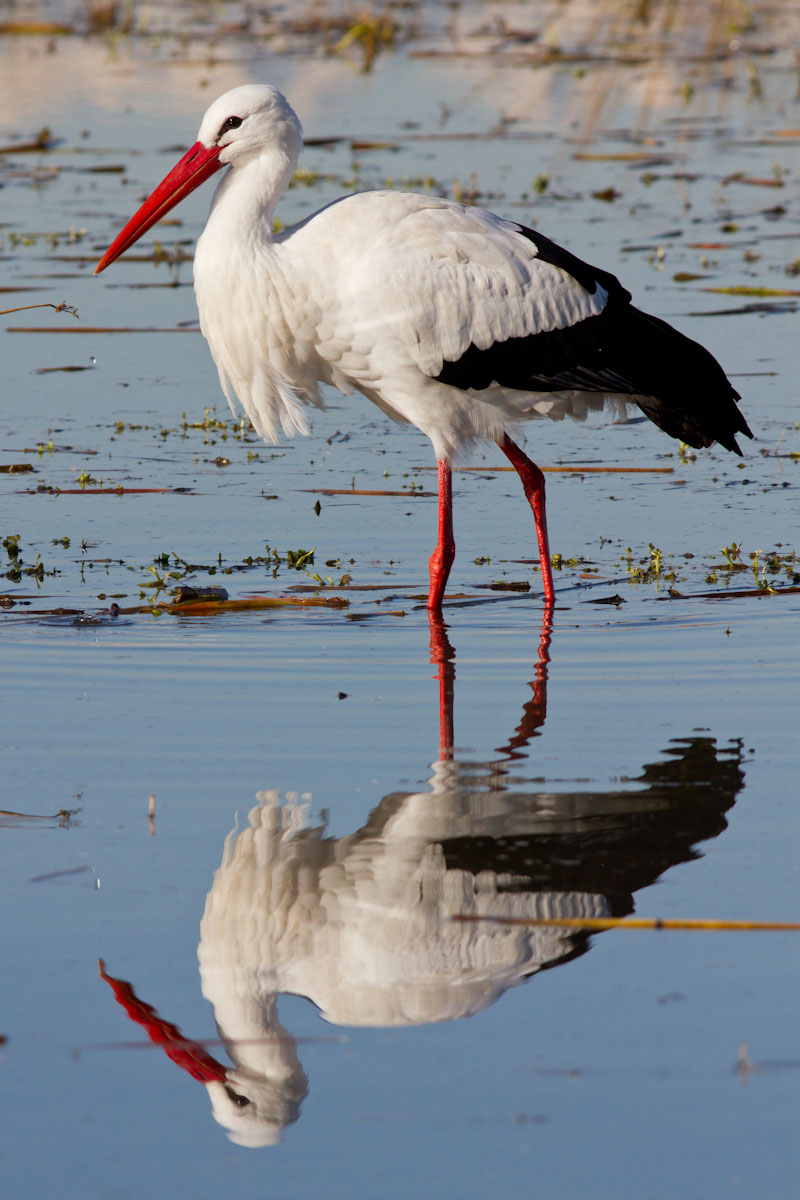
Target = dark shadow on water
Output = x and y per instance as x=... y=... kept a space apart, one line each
x=362 y=925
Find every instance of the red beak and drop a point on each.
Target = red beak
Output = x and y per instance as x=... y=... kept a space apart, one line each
x=196 y=166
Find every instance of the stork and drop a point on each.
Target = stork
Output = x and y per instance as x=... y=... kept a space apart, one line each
x=445 y=316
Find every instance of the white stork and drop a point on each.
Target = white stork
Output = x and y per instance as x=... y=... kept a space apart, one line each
x=446 y=316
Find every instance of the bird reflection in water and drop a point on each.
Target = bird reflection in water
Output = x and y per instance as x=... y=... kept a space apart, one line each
x=363 y=925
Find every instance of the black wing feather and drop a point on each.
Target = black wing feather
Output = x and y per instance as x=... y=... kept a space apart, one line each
x=677 y=383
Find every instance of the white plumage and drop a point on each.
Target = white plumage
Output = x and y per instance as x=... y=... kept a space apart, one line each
x=445 y=316
x=391 y=302
x=362 y=926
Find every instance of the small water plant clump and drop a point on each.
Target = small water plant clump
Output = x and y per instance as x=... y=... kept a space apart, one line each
x=650 y=569
x=169 y=569
x=18 y=567
x=766 y=567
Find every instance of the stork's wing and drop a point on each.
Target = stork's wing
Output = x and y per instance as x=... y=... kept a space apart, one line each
x=480 y=301
x=460 y=286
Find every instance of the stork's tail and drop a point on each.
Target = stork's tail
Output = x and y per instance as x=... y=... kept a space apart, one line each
x=688 y=394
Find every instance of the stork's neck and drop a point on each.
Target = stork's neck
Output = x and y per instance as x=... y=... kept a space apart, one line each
x=245 y=199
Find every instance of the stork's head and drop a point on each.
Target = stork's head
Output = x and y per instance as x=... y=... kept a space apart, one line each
x=248 y=120
x=244 y=124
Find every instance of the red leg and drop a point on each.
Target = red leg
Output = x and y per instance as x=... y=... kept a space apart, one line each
x=441 y=560
x=533 y=485
x=534 y=712
x=443 y=657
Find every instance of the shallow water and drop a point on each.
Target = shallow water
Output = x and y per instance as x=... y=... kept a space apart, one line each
x=636 y=758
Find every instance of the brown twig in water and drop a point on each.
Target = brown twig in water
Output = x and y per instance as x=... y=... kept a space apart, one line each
x=62 y=307
x=638 y=923
x=576 y=470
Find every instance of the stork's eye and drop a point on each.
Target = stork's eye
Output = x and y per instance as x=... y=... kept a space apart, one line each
x=238 y=1099
x=231 y=123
